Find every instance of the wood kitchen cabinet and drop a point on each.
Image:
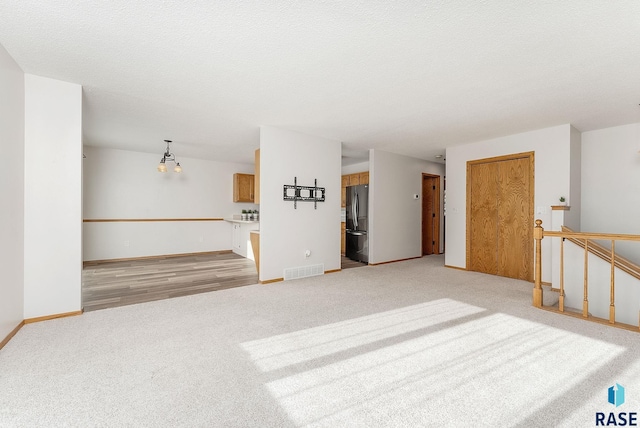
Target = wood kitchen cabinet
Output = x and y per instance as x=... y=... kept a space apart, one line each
x=353 y=180
x=243 y=187
x=345 y=183
x=343 y=239
x=254 y=237
x=256 y=179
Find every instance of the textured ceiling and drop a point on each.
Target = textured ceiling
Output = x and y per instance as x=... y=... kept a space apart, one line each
x=410 y=77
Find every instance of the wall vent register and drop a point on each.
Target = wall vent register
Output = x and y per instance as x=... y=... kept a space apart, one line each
x=303 y=271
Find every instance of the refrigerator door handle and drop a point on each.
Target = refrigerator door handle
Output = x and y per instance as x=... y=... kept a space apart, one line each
x=355 y=211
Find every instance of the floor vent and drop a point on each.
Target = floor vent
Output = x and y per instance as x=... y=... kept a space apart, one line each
x=304 y=271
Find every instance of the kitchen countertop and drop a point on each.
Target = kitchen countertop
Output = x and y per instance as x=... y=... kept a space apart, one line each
x=237 y=220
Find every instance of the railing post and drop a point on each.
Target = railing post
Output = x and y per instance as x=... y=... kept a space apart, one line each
x=537 y=288
x=561 y=298
x=612 y=298
x=585 y=301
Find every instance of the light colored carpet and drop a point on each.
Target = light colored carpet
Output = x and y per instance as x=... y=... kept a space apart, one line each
x=404 y=344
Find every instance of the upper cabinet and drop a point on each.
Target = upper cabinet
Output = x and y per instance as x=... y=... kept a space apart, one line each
x=353 y=180
x=243 y=187
x=256 y=185
x=345 y=183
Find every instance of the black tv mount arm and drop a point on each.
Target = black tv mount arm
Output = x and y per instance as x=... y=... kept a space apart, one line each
x=297 y=193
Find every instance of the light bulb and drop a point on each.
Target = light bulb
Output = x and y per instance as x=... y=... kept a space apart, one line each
x=177 y=168
x=162 y=167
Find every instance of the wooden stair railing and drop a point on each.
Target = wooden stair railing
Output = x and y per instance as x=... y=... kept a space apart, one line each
x=584 y=240
x=604 y=253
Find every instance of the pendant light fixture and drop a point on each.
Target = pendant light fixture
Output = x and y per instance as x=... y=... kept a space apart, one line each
x=168 y=157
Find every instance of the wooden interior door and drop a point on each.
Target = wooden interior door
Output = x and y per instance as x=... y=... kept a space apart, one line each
x=515 y=219
x=430 y=214
x=482 y=218
x=500 y=216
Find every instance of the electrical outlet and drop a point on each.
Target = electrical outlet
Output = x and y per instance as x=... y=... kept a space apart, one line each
x=201 y=239
x=126 y=243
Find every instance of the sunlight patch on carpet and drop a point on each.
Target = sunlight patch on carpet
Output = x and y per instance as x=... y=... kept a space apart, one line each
x=293 y=348
x=488 y=369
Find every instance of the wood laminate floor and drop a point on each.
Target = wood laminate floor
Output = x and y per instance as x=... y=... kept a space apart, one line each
x=110 y=284
x=347 y=263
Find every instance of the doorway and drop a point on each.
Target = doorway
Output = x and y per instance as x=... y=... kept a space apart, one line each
x=430 y=214
x=500 y=210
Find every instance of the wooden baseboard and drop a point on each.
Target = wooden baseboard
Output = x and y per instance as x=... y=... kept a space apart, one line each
x=54 y=316
x=10 y=335
x=36 y=319
x=166 y=256
x=332 y=271
x=545 y=283
x=455 y=267
x=393 y=261
x=269 y=281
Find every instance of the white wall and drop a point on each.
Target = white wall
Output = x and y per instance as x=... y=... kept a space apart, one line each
x=12 y=185
x=53 y=197
x=573 y=216
x=552 y=179
x=627 y=291
x=356 y=167
x=611 y=184
x=120 y=184
x=395 y=218
x=285 y=232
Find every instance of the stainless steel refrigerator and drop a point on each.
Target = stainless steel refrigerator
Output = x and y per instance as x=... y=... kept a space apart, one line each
x=357 y=240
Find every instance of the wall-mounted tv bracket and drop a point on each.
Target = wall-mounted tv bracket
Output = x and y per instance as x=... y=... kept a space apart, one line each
x=297 y=193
